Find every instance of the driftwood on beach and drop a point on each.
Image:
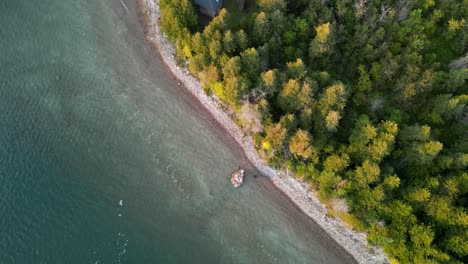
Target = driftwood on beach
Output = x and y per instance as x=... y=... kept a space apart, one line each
x=237 y=177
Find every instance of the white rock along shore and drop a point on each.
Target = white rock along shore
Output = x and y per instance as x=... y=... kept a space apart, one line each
x=353 y=242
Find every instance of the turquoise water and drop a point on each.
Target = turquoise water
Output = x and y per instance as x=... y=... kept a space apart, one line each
x=104 y=159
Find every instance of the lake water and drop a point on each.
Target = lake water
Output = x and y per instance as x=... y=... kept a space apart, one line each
x=104 y=159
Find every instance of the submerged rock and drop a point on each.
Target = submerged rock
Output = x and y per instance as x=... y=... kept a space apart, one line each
x=237 y=177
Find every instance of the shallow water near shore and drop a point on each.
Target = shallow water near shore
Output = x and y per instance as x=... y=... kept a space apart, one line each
x=105 y=159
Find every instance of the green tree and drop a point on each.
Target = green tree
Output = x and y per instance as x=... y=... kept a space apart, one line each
x=299 y=144
x=364 y=83
x=173 y=20
x=235 y=88
x=251 y=64
x=215 y=48
x=305 y=118
x=427 y=151
x=322 y=45
x=209 y=76
x=327 y=183
x=331 y=120
x=232 y=68
x=242 y=40
x=288 y=97
x=335 y=163
x=458 y=244
x=366 y=174
x=270 y=81
x=261 y=28
x=289 y=122
x=271 y=5
x=229 y=42
x=275 y=136
x=296 y=70
x=199 y=45
x=331 y=104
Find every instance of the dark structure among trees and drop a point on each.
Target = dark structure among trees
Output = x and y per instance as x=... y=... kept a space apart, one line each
x=209 y=7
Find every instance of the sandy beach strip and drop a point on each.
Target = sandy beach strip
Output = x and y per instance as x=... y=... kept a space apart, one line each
x=353 y=242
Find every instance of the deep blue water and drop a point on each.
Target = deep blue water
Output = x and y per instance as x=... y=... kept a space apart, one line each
x=104 y=159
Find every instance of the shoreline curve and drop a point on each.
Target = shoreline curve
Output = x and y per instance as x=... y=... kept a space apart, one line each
x=351 y=241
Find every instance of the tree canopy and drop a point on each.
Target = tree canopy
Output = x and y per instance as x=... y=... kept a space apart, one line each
x=366 y=99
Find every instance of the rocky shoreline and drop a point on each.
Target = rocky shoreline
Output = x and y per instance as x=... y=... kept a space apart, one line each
x=353 y=242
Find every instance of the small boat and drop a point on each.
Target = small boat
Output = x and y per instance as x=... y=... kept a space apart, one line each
x=237 y=177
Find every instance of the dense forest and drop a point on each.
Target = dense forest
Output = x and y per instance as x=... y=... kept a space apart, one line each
x=365 y=99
